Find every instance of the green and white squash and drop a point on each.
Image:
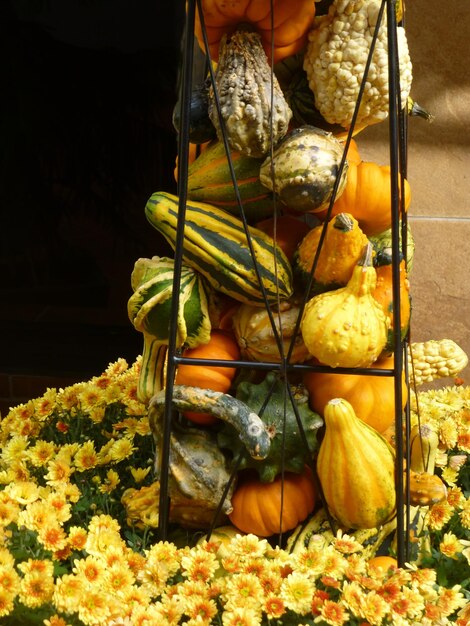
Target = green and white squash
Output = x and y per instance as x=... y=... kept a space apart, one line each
x=216 y=246
x=149 y=310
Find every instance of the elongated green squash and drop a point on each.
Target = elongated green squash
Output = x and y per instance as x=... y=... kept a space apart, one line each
x=216 y=245
x=210 y=180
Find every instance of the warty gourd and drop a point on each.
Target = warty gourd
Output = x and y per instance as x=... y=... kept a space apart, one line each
x=335 y=60
x=436 y=358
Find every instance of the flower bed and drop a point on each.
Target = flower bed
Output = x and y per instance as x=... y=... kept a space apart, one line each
x=73 y=554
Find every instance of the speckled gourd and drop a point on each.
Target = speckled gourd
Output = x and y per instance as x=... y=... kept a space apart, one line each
x=304 y=168
x=246 y=90
x=255 y=336
x=356 y=469
x=347 y=327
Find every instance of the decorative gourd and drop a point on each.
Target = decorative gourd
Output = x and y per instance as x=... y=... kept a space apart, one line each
x=149 y=310
x=249 y=426
x=271 y=401
x=216 y=245
x=318 y=527
x=255 y=336
x=266 y=509
x=426 y=489
x=424 y=442
x=292 y=19
x=201 y=129
x=367 y=196
x=342 y=248
x=210 y=180
x=372 y=397
x=434 y=359
x=305 y=165
x=286 y=230
x=383 y=293
x=223 y=346
x=253 y=111
x=294 y=83
x=347 y=327
x=356 y=469
x=382 y=244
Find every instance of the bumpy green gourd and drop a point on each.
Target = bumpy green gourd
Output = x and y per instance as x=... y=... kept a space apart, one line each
x=271 y=401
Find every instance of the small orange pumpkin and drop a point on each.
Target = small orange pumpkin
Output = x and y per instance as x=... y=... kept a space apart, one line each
x=292 y=20
x=222 y=346
x=257 y=505
x=382 y=563
x=372 y=397
x=367 y=196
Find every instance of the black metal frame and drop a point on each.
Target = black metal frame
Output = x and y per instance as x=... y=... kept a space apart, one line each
x=398 y=148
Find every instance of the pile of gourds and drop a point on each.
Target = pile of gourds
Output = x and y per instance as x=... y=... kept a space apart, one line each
x=286 y=260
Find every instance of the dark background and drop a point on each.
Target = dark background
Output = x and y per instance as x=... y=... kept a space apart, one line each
x=87 y=93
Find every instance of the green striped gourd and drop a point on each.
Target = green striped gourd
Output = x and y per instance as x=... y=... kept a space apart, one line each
x=149 y=310
x=216 y=245
x=210 y=180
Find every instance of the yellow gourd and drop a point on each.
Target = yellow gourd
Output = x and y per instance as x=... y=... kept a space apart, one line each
x=356 y=469
x=347 y=327
x=341 y=249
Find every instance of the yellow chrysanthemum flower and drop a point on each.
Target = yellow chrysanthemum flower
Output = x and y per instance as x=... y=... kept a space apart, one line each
x=112 y=480
x=9 y=509
x=140 y=473
x=41 y=453
x=86 y=457
x=36 y=589
x=297 y=591
x=15 y=450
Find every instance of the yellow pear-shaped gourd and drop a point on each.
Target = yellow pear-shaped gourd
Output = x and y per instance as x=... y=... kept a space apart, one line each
x=347 y=327
x=356 y=469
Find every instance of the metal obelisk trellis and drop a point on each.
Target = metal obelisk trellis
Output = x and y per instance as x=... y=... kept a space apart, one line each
x=397 y=141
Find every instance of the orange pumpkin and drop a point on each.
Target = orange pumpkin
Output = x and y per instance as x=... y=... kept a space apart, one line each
x=222 y=346
x=292 y=20
x=382 y=563
x=372 y=397
x=287 y=230
x=353 y=155
x=367 y=197
x=257 y=505
x=383 y=293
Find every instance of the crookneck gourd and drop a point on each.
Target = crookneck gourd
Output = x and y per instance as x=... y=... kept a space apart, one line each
x=347 y=327
x=149 y=310
x=255 y=335
x=291 y=444
x=253 y=109
x=342 y=248
x=197 y=465
x=304 y=168
x=216 y=246
x=356 y=469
